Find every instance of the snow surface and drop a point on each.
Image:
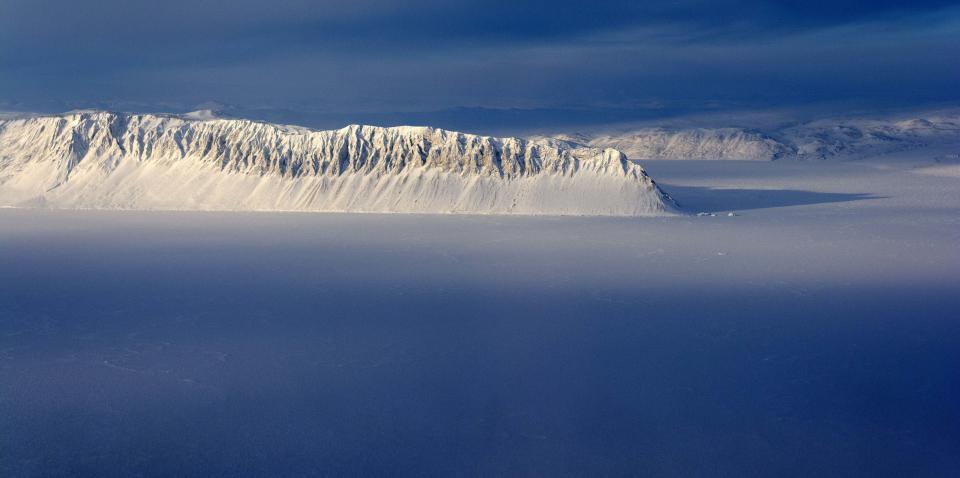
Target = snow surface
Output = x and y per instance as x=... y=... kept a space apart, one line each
x=103 y=160
x=815 y=333
x=854 y=138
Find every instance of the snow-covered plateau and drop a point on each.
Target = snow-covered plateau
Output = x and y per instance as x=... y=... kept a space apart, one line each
x=102 y=160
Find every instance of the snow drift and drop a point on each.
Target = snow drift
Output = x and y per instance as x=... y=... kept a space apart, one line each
x=133 y=161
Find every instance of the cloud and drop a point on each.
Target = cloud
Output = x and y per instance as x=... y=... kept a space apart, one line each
x=377 y=56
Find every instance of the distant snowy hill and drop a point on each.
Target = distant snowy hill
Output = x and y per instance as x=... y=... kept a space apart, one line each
x=935 y=136
x=700 y=143
x=93 y=159
x=863 y=138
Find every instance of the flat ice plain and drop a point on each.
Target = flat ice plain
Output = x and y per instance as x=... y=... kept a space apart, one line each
x=815 y=333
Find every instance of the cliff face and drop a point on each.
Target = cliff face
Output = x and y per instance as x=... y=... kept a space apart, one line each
x=109 y=160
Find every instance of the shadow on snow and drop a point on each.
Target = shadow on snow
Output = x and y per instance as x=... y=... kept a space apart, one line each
x=707 y=199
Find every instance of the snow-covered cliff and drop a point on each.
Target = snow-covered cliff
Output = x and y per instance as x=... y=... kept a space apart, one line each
x=130 y=161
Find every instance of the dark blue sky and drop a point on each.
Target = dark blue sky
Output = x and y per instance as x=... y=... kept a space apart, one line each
x=472 y=63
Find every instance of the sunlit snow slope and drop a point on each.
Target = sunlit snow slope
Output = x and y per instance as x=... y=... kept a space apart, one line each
x=121 y=161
